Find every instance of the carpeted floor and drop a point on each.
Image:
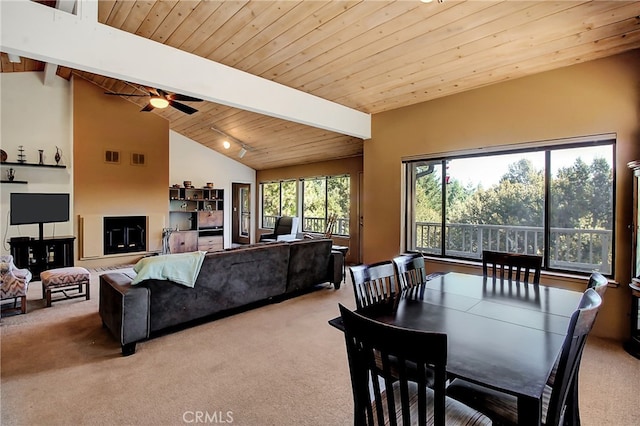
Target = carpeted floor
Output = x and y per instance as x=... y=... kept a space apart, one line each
x=280 y=364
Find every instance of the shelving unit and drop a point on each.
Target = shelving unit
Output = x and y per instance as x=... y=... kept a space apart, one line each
x=197 y=217
x=18 y=164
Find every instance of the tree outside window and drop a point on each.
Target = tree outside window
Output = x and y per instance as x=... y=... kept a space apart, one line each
x=324 y=197
x=278 y=199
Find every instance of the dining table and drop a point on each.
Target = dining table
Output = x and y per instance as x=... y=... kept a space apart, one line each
x=505 y=335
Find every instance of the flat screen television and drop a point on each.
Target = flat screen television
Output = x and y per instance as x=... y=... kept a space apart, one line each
x=29 y=208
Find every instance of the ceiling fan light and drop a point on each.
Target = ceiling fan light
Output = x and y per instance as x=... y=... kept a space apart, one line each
x=158 y=102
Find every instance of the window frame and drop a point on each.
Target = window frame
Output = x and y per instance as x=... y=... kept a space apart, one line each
x=408 y=210
x=326 y=203
x=262 y=194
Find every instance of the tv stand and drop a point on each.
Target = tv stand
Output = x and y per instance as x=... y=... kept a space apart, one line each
x=40 y=254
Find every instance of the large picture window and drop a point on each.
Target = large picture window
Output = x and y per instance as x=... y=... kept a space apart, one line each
x=278 y=199
x=323 y=198
x=553 y=201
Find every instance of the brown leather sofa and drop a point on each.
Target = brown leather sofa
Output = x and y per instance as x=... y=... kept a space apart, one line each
x=228 y=279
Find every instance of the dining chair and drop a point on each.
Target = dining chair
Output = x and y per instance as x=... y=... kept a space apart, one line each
x=381 y=398
x=374 y=283
x=598 y=282
x=410 y=269
x=557 y=400
x=512 y=266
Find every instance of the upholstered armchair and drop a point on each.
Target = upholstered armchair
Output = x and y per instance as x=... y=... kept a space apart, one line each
x=285 y=229
x=14 y=282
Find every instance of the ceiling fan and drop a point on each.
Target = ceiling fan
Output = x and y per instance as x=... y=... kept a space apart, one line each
x=159 y=98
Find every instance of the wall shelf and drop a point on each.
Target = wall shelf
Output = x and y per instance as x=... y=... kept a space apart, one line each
x=16 y=164
x=13 y=181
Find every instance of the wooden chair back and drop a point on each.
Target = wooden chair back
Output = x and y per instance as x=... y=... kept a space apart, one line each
x=519 y=267
x=598 y=282
x=580 y=325
x=331 y=224
x=373 y=283
x=409 y=396
x=411 y=270
x=366 y=339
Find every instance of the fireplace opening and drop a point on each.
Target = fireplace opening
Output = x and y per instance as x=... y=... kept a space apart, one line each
x=125 y=234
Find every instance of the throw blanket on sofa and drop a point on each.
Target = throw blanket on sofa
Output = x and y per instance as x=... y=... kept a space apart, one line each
x=181 y=268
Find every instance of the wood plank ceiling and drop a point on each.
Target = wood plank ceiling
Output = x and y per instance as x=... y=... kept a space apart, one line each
x=373 y=56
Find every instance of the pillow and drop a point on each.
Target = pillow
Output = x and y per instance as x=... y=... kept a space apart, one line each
x=181 y=268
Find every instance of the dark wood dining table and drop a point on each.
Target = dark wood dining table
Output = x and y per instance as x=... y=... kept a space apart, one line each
x=503 y=335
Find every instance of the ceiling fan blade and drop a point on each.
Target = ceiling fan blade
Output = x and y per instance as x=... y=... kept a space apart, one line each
x=149 y=107
x=178 y=97
x=123 y=94
x=182 y=107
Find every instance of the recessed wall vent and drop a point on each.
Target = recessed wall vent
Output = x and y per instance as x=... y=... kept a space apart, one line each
x=137 y=159
x=112 y=157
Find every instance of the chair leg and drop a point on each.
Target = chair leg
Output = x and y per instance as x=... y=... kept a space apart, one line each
x=572 y=417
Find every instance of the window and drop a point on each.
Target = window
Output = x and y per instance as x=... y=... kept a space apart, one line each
x=553 y=201
x=278 y=199
x=322 y=198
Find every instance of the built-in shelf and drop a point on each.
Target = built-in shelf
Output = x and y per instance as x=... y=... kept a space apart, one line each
x=16 y=164
x=14 y=181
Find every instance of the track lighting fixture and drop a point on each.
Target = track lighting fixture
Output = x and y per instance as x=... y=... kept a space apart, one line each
x=244 y=148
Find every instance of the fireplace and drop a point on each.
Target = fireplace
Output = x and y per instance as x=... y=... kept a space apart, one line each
x=125 y=234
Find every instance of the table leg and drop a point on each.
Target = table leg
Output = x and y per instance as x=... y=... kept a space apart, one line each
x=529 y=411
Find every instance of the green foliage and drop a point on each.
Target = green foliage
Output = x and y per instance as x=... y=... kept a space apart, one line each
x=509 y=215
x=517 y=200
x=582 y=196
x=289 y=198
x=271 y=199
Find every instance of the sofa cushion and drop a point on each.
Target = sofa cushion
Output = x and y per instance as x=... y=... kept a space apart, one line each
x=308 y=263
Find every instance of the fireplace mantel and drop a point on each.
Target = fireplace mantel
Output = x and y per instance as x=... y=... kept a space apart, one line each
x=91 y=231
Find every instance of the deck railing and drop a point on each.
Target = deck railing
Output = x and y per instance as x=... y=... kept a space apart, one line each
x=581 y=250
x=313 y=224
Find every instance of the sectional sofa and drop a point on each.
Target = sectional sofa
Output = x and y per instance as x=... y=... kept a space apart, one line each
x=227 y=280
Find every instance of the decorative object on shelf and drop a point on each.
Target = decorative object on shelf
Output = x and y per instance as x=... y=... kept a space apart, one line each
x=209 y=185
x=187 y=184
x=41 y=156
x=58 y=155
x=21 y=156
x=3 y=155
x=11 y=175
x=176 y=185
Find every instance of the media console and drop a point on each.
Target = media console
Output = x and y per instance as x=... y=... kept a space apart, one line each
x=38 y=255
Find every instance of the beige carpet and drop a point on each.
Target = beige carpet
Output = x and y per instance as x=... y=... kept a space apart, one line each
x=280 y=364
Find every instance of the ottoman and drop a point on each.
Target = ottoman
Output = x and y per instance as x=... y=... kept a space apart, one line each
x=68 y=281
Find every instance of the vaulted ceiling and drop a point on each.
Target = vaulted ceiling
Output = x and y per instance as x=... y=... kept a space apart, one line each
x=371 y=56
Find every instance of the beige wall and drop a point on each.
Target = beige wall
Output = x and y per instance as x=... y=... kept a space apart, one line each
x=107 y=122
x=586 y=99
x=350 y=166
